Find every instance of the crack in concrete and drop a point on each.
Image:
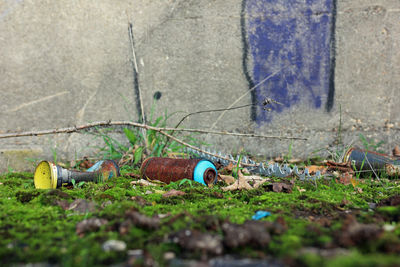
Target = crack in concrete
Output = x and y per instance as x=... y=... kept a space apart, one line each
x=24 y=105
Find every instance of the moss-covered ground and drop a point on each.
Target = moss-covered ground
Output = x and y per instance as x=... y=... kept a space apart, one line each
x=325 y=223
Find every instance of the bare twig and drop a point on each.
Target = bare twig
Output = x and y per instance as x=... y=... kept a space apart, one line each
x=135 y=124
x=211 y=110
x=144 y=126
x=136 y=73
x=240 y=98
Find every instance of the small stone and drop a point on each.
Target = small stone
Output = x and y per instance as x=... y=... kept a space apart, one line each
x=114 y=245
x=389 y=228
x=169 y=256
x=135 y=253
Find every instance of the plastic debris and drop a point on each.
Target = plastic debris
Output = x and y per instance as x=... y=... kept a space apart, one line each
x=48 y=175
x=260 y=214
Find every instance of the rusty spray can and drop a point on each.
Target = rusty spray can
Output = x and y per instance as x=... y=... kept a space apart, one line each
x=365 y=160
x=171 y=170
x=50 y=176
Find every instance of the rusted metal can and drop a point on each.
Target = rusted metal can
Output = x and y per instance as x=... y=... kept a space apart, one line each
x=370 y=160
x=171 y=170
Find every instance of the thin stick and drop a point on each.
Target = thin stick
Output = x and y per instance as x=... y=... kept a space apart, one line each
x=135 y=124
x=240 y=98
x=233 y=133
x=136 y=72
x=211 y=110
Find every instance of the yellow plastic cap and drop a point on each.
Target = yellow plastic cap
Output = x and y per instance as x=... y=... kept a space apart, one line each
x=45 y=175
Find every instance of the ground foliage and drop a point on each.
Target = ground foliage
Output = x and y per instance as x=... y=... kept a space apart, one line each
x=327 y=223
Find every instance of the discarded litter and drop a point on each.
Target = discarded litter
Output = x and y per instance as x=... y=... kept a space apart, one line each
x=48 y=175
x=171 y=170
x=260 y=214
x=364 y=160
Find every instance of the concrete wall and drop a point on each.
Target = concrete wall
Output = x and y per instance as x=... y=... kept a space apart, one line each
x=65 y=63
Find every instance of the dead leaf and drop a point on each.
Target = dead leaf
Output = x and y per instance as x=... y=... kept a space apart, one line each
x=301 y=190
x=173 y=193
x=226 y=178
x=359 y=190
x=241 y=183
x=281 y=187
x=345 y=178
x=229 y=167
x=314 y=168
x=354 y=181
x=260 y=183
x=143 y=182
x=245 y=171
x=396 y=151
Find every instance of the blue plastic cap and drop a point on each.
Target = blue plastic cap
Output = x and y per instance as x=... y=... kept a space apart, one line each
x=199 y=170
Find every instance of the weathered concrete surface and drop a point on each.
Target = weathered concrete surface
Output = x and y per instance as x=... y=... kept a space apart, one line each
x=64 y=63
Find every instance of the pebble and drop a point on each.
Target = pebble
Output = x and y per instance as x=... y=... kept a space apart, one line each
x=114 y=245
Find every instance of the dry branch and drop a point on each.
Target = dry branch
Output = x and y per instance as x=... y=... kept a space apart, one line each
x=148 y=127
x=139 y=125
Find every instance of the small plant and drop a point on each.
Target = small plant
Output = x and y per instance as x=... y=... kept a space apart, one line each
x=149 y=143
x=186 y=181
x=289 y=155
x=77 y=185
x=369 y=144
x=235 y=171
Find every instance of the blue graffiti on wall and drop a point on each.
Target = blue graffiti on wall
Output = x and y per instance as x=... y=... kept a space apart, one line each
x=293 y=42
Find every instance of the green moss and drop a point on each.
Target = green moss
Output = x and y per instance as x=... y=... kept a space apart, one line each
x=34 y=228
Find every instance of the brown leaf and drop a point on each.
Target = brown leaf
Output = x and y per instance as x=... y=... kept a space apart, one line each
x=396 y=151
x=259 y=183
x=354 y=182
x=345 y=178
x=241 y=183
x=143 y=182
x=226 y=178
x=281 y=187
x=173 y=193
x=229 y=167
x=314 y=168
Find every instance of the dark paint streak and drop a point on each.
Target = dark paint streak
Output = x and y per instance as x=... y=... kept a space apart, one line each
x=331 y=94
x=253 y=112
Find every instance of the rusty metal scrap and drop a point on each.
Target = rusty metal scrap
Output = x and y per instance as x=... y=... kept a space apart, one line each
x=169 y=170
